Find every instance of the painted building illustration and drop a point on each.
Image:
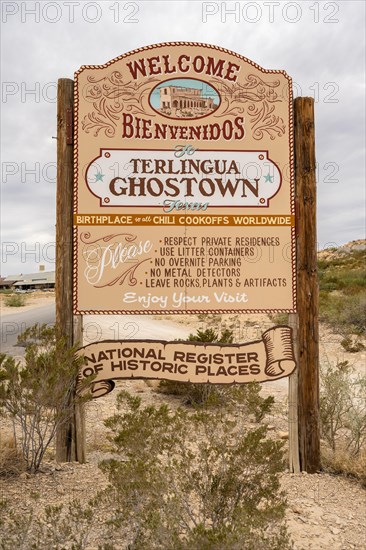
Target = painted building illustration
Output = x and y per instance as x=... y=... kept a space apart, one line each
x=185 y=102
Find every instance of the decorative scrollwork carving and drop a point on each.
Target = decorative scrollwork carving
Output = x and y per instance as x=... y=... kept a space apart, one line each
x=258 y=99
x=110 y=95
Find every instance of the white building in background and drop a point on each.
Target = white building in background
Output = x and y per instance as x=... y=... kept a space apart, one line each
x=30 y=281
x=173 y=98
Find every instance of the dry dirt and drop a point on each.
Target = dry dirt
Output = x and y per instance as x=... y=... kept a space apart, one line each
x=324 y=511
x=32 y=300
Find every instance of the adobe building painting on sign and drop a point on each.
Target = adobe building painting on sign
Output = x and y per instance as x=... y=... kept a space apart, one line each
x=184 y=199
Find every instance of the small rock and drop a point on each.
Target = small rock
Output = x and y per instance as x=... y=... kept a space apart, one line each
x=283 y=435
x=60 y=490
x=301 y=518
x=334 y=531
x=270 y=427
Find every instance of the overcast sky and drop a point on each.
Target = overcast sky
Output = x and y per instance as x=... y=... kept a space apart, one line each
x=320 y=44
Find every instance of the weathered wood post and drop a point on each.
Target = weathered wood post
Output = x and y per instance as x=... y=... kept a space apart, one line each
x=293 y=413
x=307 y=286
x=70 y=437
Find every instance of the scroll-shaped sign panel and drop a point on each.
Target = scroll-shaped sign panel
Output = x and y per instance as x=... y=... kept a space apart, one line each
x=184 y=184
x=270 y=358
x=209 y=178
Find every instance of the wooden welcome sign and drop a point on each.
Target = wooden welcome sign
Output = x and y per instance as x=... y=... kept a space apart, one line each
x=180 y=161
x=184 y=184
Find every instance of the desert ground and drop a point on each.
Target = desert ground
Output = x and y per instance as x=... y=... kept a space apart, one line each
x=324 y=511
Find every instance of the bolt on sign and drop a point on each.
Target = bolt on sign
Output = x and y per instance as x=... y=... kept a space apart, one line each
x=184 y=184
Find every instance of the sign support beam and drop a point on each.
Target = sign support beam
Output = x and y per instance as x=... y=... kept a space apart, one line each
x=307 y=287
x=293 y=419
x=70 y=437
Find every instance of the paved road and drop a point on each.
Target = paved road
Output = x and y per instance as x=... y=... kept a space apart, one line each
x=96 y=327
x=13 y=324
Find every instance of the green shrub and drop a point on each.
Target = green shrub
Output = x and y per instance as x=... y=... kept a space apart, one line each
x=15 y=300
x=343 y=418
x=351 y=280
x=342 y=282
x=189 y=481
x=344 y=313
x=54 y=528
x=38 y=396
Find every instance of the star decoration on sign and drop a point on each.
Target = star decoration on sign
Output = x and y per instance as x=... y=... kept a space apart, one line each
x=99 y=176
x=269 y=178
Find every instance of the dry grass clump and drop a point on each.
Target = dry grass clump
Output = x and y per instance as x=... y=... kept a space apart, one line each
x=341 y=462
x=11 y=458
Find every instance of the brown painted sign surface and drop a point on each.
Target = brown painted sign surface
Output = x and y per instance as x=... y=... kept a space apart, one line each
x=270 y=358
x=183 y=184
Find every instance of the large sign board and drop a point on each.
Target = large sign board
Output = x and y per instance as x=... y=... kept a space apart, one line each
x=270 y=358
x=184 y=191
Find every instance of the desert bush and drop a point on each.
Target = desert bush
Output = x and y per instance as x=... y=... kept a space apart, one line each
x=192 y=480
x=342 y=282
x=352 y=346
x=15 y=300
x=215 y=395
x=54 y=528
x=345 y=314
x=343 y=416
x=38 y=396
x=350 y=280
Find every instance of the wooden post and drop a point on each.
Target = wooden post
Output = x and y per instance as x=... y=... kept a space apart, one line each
x=307 y=286
x=293 y=419
x=70 y=436
x=80 y=442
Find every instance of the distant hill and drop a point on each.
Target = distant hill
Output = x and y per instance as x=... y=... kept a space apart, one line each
x=357 y=246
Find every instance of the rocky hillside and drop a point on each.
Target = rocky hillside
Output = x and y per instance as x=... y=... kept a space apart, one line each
x=348 y=249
